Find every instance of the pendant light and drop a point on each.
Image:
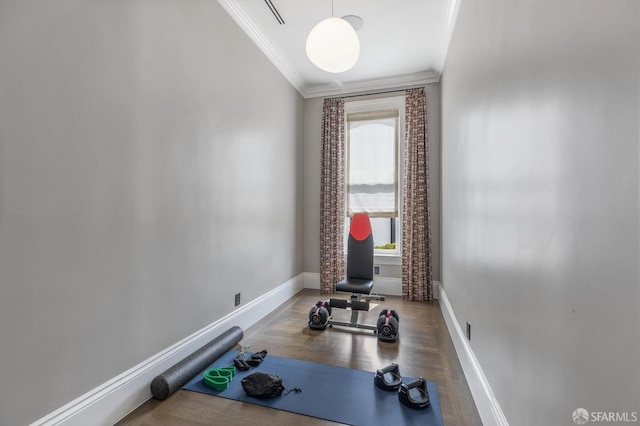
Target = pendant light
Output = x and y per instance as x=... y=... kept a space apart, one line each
x=333 y=45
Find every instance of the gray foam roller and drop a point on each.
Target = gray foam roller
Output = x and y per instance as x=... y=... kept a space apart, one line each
x=177 y=376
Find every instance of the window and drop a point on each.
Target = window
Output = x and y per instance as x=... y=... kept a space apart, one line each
x=373 y=172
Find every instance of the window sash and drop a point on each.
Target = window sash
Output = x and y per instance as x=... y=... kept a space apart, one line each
x=372 y=190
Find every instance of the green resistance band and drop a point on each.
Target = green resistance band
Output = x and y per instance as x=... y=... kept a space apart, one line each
x=219 y=378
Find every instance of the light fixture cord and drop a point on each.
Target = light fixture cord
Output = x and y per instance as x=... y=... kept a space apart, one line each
x=332 y=8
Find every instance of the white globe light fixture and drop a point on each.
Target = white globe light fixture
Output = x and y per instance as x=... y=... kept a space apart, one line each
x=333 y=45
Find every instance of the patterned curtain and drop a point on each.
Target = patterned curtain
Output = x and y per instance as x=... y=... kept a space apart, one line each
x=332 y=195
x=416 y=234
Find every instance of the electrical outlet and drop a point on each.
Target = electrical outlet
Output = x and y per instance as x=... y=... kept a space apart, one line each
x=468 y=331
x=237 y=299
x=376 y=270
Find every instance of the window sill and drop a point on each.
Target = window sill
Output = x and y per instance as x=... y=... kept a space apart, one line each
x=387 y=259
x=384 y=259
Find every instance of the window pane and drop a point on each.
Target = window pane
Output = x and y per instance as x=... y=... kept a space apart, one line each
x=372 y=167
x=383 y=233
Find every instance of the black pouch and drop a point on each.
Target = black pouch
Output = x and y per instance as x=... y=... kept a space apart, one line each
x=262 y=385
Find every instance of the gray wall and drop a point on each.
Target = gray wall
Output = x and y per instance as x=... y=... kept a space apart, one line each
x=311 y=200
x=149 y=170
x=540 y=229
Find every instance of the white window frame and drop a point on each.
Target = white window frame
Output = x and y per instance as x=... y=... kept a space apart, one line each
x=389 y=257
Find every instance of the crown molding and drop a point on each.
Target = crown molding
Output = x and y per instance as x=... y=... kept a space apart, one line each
x=257 y=36
x=368 y=86
x=307 y=91
x=449 y=17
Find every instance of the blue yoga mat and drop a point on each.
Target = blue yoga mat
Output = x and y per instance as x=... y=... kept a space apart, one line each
x=337 y=394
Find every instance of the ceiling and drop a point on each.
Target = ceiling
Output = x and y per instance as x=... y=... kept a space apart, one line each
x=403 y=43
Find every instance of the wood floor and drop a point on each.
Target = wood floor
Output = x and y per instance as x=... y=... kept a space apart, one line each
x=424 y=348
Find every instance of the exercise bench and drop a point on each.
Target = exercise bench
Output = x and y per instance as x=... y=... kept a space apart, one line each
x=358 y=282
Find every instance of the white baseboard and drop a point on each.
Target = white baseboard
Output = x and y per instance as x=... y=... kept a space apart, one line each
x=486 y=402
x=436 y=289
x=113 y=400
x=382 y=285
x=311 y=280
